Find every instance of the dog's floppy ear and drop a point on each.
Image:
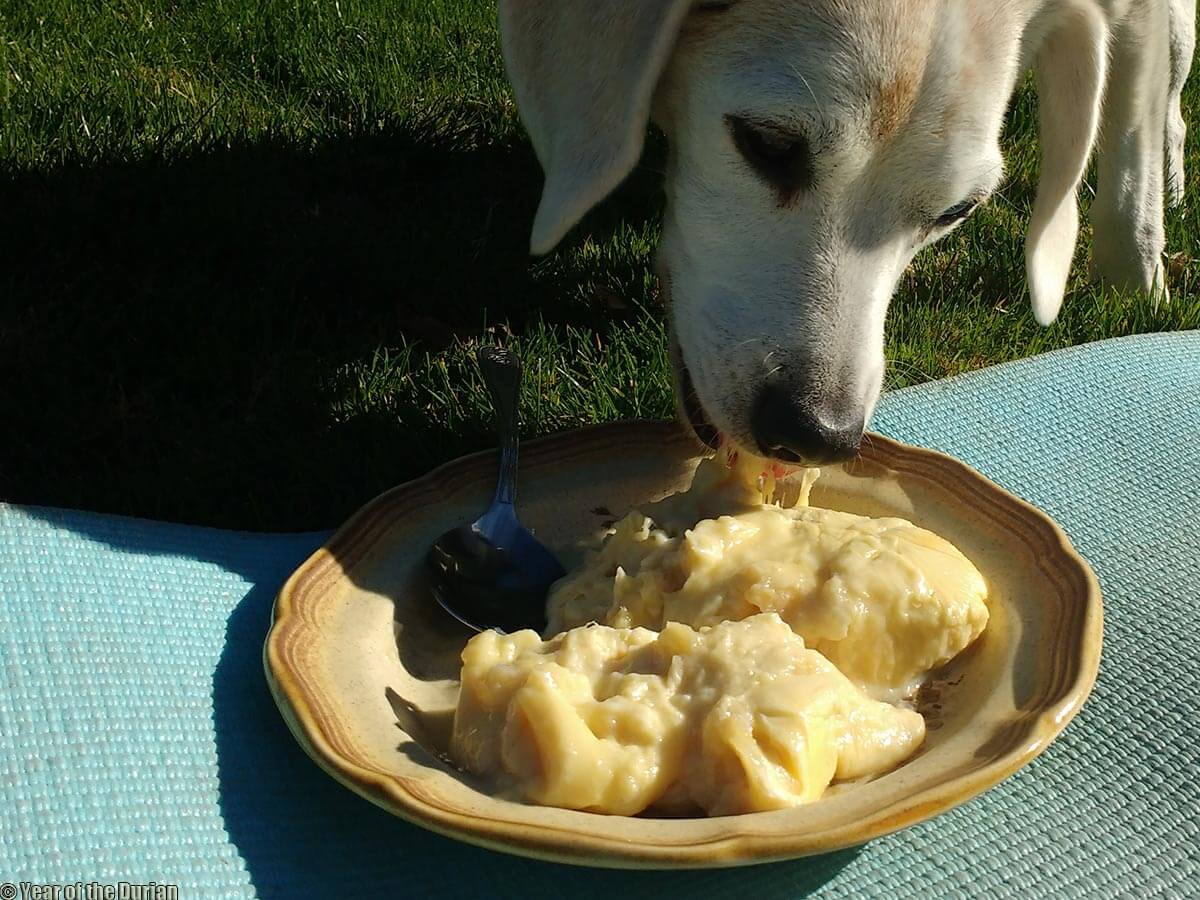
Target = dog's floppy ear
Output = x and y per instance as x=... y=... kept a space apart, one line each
x=1070 y=71
x=584 y=72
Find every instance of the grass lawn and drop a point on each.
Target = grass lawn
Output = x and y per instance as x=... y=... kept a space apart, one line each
x=249 y=247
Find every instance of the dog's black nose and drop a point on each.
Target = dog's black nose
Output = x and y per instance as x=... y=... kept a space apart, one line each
x=794 y=429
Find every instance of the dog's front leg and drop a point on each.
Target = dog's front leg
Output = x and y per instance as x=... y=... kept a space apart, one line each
x=1127 y=215
x=1182 y=44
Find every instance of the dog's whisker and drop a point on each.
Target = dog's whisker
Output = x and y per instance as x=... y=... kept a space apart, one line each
x=905 y=366
x=800 y=75
x=898 y=370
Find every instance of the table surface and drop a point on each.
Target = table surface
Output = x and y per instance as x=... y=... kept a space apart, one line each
x=138 y=741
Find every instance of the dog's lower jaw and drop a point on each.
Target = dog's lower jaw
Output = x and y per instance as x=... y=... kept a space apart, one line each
x=688 y=407
x=693 y=412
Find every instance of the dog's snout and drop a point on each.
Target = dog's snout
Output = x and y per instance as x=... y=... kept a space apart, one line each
x=794 y=428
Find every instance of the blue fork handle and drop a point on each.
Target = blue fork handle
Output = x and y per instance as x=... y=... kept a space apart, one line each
x=502 y=374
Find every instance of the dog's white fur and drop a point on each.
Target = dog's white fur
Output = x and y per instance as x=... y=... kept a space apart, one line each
x=902 y=102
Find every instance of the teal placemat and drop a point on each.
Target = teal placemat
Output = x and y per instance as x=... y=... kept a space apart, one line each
x=138 y=741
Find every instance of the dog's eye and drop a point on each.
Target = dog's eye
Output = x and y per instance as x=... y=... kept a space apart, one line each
x=783 y=159
x=956 y=213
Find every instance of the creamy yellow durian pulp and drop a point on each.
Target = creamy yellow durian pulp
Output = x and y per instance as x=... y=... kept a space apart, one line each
x=731 y=649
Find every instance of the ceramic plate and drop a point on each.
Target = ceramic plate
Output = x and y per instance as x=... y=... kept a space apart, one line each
x=364 y=665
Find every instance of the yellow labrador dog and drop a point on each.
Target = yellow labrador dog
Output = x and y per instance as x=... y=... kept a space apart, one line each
x=817 y=145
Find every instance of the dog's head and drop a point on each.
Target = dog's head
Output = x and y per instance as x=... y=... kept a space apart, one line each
x=816 y=146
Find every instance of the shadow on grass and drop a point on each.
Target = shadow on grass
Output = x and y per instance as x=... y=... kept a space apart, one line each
x=169 y=330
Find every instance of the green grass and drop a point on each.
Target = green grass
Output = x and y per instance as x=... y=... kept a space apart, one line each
x=249 y=248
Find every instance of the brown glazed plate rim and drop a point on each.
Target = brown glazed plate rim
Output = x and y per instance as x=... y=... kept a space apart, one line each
x=731 y=845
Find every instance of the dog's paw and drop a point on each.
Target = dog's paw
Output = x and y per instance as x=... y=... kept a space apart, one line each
x=1159 y=292
x=1144 y=276
x=1127 y=254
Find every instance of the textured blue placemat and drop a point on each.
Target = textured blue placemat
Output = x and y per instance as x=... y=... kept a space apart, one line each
x=138 y=741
